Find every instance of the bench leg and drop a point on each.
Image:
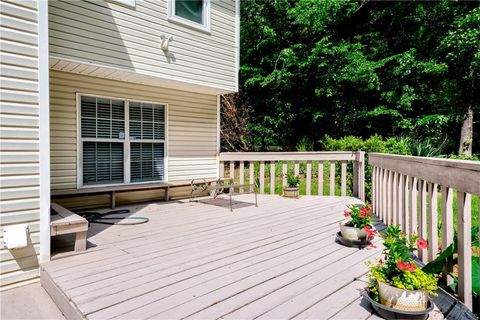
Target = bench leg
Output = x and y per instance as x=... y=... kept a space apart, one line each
x=112 y=199
x=167 y=194
x=81 y=241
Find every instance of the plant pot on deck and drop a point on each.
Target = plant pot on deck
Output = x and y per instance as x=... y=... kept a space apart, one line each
x=402 y=299
x=349 y=232
x=290 y=192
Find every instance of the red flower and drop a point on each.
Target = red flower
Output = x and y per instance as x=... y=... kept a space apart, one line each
x=362 y=214
x=402 y=265
x=346 y=213
x=380 y=261
x=422 y=243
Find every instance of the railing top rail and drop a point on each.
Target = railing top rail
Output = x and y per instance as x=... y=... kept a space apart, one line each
x=454 y=163
x=458 y=174
x=292 y=156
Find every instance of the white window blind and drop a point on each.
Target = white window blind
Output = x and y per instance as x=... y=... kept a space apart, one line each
x=109 y=152
x=147 y=134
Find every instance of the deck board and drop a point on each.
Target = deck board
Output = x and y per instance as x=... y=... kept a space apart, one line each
x=199 y=260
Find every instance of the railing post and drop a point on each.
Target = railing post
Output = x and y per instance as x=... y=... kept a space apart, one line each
x=464 y=242
x=359 y=176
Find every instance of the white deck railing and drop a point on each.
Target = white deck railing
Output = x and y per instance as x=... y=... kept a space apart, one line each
x=405 y=191
x=275 y=158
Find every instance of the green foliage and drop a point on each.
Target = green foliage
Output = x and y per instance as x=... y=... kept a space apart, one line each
x=398 y=268
x=426 y=147
x=311 y=68
x=373 y=144
x=304 y=144
x=437 y=265
x=464 y=157
x=360 y=217
x=292 y=180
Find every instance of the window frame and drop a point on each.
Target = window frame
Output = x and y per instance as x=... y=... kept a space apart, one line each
x=126 y=142
x=205 y=27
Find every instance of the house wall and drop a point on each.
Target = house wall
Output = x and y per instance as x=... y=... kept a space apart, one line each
x=191 y=132
x=109 y=34
x=19 y=137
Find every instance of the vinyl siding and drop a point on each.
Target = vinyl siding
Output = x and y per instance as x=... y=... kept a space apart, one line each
x=19 y=137
x=191 y=131
x=108 y=34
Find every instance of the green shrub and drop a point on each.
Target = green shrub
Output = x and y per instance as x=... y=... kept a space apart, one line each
x=373 y=144
x=426 y=147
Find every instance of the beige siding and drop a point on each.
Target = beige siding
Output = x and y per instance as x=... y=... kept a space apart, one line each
x=19 y=137
x=109 y=34
x=191 y=131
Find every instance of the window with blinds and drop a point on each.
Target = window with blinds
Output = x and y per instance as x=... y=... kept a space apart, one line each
x=147 y=134
x=109 y=151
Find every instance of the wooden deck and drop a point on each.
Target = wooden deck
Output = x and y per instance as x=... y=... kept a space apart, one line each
x=199 y=260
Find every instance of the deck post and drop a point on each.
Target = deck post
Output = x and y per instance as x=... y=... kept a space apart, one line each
x=359 y=176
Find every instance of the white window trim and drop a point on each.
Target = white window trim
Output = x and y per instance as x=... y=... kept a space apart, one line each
x=205 y=27
x=126 y=143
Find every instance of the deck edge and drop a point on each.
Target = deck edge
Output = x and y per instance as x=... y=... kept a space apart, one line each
x=66 y=306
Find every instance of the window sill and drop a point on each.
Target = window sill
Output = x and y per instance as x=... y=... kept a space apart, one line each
x=191 y=25
x=126 y=3
x=126 y=185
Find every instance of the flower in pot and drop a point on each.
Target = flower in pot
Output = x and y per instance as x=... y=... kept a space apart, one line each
x=357 y=226
x=396 y=281
x=291 y=190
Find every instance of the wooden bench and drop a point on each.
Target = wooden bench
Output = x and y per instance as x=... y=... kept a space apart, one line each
x=113 y=190
x=64 y=221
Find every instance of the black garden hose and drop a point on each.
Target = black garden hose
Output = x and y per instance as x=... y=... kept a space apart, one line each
x=104 y=218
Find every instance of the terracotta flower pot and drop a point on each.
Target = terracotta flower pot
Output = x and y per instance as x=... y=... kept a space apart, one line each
x=352 y=233
x=290 y=192
x=402 y=299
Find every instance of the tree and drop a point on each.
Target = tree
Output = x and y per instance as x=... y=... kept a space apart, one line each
x=316 y=67
x=462 y=48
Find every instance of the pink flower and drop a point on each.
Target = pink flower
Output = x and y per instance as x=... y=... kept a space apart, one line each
x=370 y=231
x=346 y=213
x=380 y=261
x=422 y=243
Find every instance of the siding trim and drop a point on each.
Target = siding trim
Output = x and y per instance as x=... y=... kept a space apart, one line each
x=218 y=136
x=237 y=43
x=44 y=130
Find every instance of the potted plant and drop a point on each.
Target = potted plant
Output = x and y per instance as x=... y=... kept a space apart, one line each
x=357 y=226
x=396 y=281
x=291 y=190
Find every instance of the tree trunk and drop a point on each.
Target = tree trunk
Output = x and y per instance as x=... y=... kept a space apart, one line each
x=466 y=135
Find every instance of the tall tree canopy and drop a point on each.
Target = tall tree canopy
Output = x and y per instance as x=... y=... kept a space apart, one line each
x=316 y=67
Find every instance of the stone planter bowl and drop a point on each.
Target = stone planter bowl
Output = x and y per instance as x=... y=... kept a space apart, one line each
x=352 y=233
x=402 y=299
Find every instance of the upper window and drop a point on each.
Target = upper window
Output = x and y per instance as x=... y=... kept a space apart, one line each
x=194 y=13
x=121 y=141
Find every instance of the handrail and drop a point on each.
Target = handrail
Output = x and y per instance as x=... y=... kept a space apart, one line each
x=356 y=157
x=405 y=192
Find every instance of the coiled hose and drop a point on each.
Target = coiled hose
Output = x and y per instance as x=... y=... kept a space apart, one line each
x=115 y=217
